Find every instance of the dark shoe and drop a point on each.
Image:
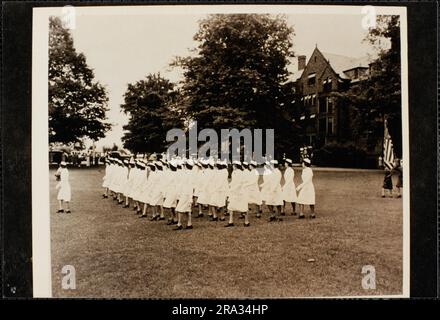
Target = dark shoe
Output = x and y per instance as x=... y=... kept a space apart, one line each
x=222 y=219
x=161 y=218
x=200 y=215
x=214 y=219
x=301 y=216
x=247 y=224
x=170 y=222
x=178 y=228
x=104 y=196
x=188 y=227
x=283 y=213
x=271 y=219
x=143 y=216
x=120 y=202
x=383 y=196
x=293 y=213
x=125 y=206
x=229 y=225
x=138 y=211
x=155 y=218
x=258 y=215
x=313 y=216
x=68 y=211
x=175 y=222
x=135 y=208
x=60 y=211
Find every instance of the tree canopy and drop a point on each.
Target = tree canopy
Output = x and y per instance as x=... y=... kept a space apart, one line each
x=77 y=102
x=237 y=79
x=150 y=104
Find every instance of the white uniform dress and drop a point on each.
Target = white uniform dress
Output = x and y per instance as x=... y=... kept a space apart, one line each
x=237 y=196
x=64 y=192
x=274 y=196
x=220 y=191
x=105 y=179
x=158 y=189
x=289 y=188
x=185 y=191
x=143 y=180
x=171 y=190
x=204 y=185
x=252 y=187
x=307 y=193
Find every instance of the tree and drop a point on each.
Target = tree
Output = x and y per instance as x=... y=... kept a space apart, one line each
x=77 y=103
x=150 y=104
x=237 y=78
x=379 y=97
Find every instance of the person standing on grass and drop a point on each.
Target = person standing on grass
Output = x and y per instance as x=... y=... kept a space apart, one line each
x=185 y=198
x=306 y=190
x=129 y=183
x=170 y=201
x=289 y=188
x=141 y=179
x=274 y=196
x=252 y=188
x=105 y=179
x=63 y=186
x=217 y=199
x=387 y=186
x=238 y=201
x=397 y=170
x=203 y=187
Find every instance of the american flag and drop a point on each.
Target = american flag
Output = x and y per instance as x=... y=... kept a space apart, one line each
x=388 y=152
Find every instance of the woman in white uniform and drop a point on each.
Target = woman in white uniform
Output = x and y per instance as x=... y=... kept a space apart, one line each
x=306 y=190
x=147 y=188
x=274 y=196
x=252 y=187
x=158 y=192
x=185 y=198
x=63 y=186
x=170 y=201
x=289 y=188
x=238 y=201
x=219 y=193
x=129 y=183
x=105 y=179
x=141 y=180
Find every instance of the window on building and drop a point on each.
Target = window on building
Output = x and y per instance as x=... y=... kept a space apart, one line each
x=330 y=126
x=311 y=79
x=322 y=105
x=328 y=84
x=329 y=105
x=322 y=125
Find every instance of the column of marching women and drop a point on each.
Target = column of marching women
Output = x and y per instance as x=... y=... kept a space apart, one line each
x=172 y=189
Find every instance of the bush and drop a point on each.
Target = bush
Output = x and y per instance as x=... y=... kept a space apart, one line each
x=344 y=156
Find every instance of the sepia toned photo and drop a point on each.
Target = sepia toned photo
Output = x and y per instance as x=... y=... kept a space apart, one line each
x=220 y=152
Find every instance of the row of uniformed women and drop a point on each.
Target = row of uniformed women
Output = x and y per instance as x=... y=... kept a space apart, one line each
x=179 y=185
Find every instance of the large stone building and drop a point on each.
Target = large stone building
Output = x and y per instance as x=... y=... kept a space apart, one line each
x=322 y=117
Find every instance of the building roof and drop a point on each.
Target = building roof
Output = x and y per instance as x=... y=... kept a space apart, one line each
x=339 y=63
x=342 y=63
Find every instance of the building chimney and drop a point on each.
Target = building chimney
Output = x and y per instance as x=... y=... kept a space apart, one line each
x=301 y=62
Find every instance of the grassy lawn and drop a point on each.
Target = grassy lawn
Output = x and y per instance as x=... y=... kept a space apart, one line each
x=115 y=254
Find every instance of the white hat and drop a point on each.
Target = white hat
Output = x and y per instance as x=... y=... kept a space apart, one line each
x=190 y=162
x=245 y=163
x=253 y=163
x=288 y=160
x=236 y=162
x=307 y=160
x=63 y=163
x=274 y=161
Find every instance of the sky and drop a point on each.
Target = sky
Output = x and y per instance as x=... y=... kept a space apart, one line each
x=123 y=49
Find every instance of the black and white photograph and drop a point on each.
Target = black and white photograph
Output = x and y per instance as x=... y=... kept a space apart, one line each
x=235 y=151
